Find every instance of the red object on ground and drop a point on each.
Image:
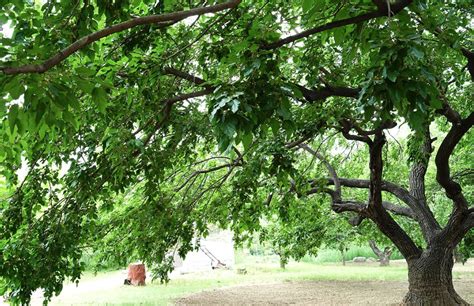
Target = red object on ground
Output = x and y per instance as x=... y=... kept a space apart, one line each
x=137 y=274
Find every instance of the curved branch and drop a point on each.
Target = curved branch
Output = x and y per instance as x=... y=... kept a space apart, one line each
x=337 y=193
x=190 y=95
x=443 y=174
x=328 y=91
x=429 y=225
x=399 y=210
x=395 y=8
x=87 y=40
x=377 y=213
x=184 y=75
x=310 y=95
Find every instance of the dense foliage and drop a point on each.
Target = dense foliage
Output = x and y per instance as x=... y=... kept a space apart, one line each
x=143 y=130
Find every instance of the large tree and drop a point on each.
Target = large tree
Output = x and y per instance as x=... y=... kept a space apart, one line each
x=103 y=98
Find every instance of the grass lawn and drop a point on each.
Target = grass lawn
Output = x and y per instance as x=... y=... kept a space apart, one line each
x=106 y=288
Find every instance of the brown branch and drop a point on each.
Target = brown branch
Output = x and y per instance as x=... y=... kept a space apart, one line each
x=399 y=210
x=86 y=40
x=310 y=95
x=337 y=184
x=443 y=174
x=428 y=224
x=204 y=171
x=375 y=249
x=184 y=75
x=187 y=96
x=467 y=53
x=395 y=8
x=168 y=103
x=328 y=91
x=470 y=61
x=375 y=209
x=347 y=126
x=353 y=206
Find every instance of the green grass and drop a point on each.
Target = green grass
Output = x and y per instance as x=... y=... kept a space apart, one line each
x=260 y=270
x=330 y=255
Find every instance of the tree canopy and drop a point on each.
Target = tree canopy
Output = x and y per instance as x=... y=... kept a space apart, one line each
x=129 y=126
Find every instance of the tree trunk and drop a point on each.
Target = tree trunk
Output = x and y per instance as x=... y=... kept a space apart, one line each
x=343 y=257
x=458 y=257
x=383 y=256
x=282 y=262
x=430 y=279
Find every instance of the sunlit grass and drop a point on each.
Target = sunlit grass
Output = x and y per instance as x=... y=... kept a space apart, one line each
x=260 y=270
x=257 y=273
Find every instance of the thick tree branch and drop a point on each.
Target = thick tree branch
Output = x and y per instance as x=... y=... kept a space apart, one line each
x=375 y=209
x=183 y=97
x=185 y=76
x=347 y=127
x=467 y=53
x=399 y=210
x=328 y=91
x=376 y=168
x=425 y=218
x=470 y=61
x=375 y=249
x=311 y=95
x=470 y=220
x=443 y=175
x=416 y=180
x=395 y=8
x=352 y=206
x=86 y=40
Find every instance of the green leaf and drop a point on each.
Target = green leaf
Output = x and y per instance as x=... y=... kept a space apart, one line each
x=235 y=105
x=307 y=5
x=100 y=98
x=13 y=116
x=247 y=140
x=14 y=87
x=436 y=103
x=417 y=53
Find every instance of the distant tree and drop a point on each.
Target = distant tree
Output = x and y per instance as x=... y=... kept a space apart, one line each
x=202 y=112
x=383 y=256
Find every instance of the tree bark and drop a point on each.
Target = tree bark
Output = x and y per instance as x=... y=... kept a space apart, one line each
x=383 y=256
x=282 y=263
x=343 y=255
x=430 y=279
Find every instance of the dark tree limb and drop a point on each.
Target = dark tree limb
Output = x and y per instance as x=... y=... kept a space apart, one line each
x=443 y=175
x=236 y=162
x=468 y=54
x=86 y=40
x=347 y=127
x=399 y=210
x=426 y=220
x=375 y=209
x=395 y=8
x=470 y=61
x=190 y=95
x=416 y=180
x=185 y=76
x=470 y=220
x=384 y=256
x=310 y=95
x=328 y=91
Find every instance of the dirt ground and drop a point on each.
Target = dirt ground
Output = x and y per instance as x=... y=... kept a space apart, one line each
x=315 y=293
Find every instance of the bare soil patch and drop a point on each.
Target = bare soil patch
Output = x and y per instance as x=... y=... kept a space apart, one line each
x=315 y=293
